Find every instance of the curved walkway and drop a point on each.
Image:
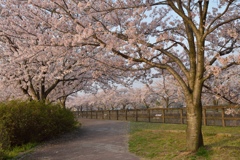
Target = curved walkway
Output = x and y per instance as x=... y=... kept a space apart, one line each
x=95 y=140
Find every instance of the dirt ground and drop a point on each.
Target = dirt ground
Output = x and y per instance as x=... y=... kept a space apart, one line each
x=95 y=140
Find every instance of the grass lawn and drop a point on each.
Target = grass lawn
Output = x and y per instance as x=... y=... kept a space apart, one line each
x=159 y=141
x=16 y=151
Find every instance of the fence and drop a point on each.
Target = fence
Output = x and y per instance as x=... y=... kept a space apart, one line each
x=211 y=115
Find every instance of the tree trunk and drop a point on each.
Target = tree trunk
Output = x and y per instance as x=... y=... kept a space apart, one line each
x=62 y=101
x=194 y=127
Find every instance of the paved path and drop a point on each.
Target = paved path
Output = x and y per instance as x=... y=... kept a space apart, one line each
x=95 y=140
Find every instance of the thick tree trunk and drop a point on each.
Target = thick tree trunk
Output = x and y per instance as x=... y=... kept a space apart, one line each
x=194 y=127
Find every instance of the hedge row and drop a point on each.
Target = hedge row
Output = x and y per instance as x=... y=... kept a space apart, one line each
x=22 y=122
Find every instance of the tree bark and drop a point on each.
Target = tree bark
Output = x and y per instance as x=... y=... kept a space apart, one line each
x=194 y=127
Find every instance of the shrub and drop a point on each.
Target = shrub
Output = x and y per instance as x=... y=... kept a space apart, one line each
x=22 y=122
x=1 y=154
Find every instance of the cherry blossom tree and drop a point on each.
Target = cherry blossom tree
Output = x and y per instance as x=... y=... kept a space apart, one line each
x=52 y=78
x=102 y=100
x=224 y=88
x=187 y=38
x=120 y=98
x=49 y=72
x=142 y=97
x=80 y=102
x=10 y=93
x=106 y=100
x=116 y=98
x=168 y=91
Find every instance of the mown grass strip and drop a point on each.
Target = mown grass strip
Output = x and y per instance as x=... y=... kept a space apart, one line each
x=167 y=141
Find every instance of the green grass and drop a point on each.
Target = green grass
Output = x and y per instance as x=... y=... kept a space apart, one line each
x=16 y=151
x=159 y=141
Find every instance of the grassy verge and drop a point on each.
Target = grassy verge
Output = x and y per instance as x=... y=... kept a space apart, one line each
x=16 y=151
x=167 y=141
